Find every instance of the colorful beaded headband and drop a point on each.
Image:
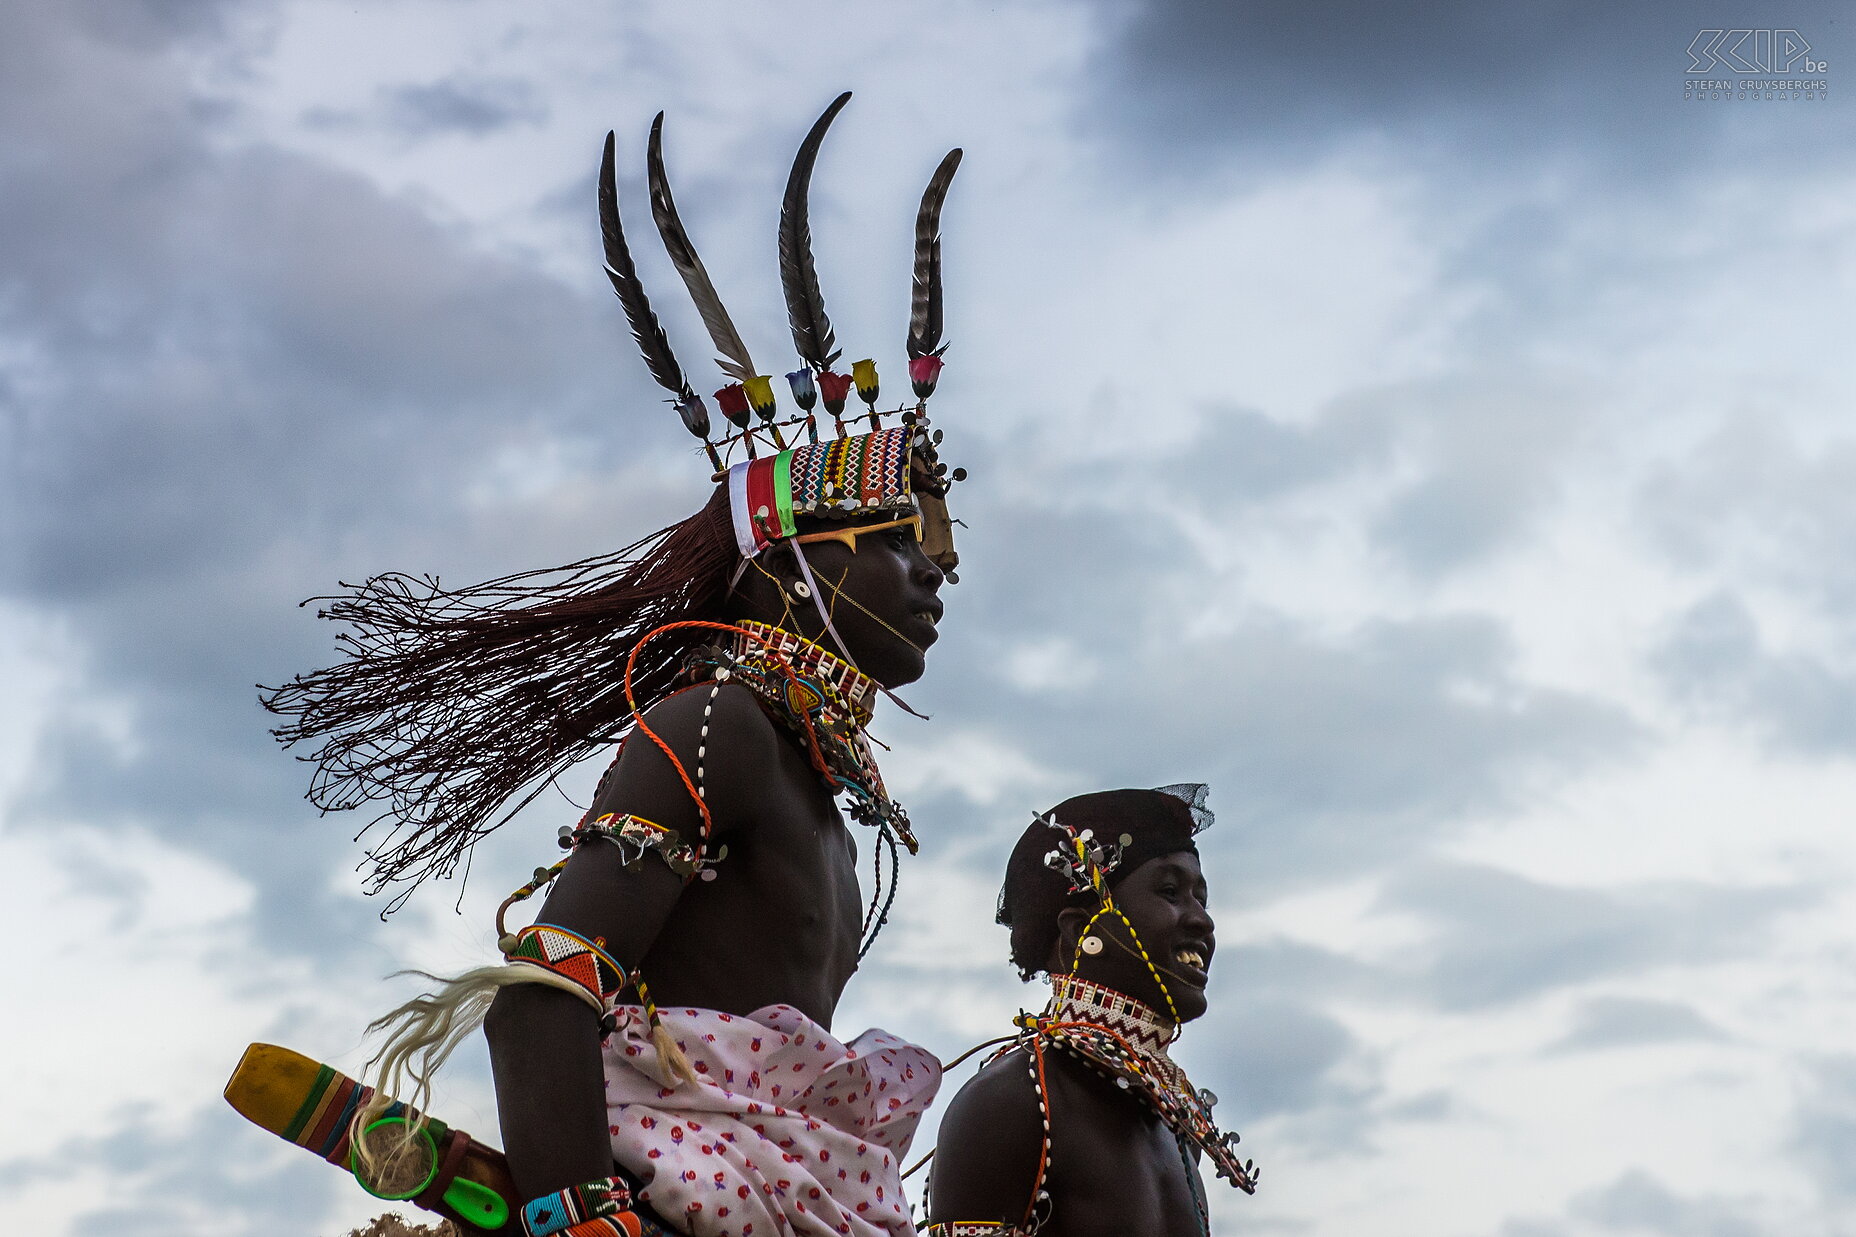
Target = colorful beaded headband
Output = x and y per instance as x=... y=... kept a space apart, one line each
x=865 y=473
x=856 y=474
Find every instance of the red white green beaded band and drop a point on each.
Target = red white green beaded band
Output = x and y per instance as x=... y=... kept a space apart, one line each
x=585 y=963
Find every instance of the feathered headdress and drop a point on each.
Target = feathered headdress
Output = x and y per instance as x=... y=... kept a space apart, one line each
x=848 y=475
x=453 y=708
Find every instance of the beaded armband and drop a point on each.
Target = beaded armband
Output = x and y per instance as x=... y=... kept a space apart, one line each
x=972 y=1228
x=598 y=1207
x=637 y=837
x=573 y=957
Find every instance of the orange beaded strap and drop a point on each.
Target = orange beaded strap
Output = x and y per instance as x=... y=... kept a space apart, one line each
x=813 y=750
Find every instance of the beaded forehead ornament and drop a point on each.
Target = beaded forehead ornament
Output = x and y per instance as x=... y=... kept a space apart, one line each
x=1082 y=858
x=851 y=476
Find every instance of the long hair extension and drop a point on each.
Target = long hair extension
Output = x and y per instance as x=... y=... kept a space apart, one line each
x=453 y=708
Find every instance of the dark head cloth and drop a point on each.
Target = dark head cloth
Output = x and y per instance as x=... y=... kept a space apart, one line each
x=1157 y=822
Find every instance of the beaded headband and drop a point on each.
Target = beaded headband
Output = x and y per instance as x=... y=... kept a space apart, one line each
x=850 y=476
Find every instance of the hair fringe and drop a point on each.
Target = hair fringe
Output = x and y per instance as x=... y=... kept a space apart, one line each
x=453 y=709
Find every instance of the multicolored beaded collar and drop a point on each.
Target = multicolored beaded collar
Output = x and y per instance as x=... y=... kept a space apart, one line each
x=845 y=686
x=1074 y=999
x=824 y=699
x=825 y=702
x=1126 y=1040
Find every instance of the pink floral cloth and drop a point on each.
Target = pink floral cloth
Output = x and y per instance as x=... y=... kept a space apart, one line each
x=788 y=1131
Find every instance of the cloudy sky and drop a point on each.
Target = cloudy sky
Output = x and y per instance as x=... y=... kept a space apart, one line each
x=1426 y=426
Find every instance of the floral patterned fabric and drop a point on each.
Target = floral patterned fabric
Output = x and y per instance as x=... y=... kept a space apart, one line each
x=788 y=1131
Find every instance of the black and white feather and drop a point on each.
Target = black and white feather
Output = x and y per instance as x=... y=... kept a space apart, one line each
x=734 y=358
x=652 y=341
x=925 y=304
x=805 y=304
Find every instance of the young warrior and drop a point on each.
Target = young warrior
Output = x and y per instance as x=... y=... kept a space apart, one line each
x=668 y=1014
x=1083 y=1125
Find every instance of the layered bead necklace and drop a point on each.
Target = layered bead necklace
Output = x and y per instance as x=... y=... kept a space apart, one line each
x=1126 y=1041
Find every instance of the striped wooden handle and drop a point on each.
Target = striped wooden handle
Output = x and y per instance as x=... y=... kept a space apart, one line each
x=312 y=1105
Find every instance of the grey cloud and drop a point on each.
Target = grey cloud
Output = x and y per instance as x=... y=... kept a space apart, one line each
x=1638 y=1202
x=1581 y=84
x=1494 y=129
x=1488 y=450
x=1293 y=1066
x=1501 y=938
x=1752 y=497
x=1824 y=1137
x=1712 y=656
x=1715 y=638
x=1341 y=755
x=1280 y=967
x=1242 y=456
x=173 y=1182
x=1622 y=1022
x=1324 y=755
x=469 y=105
x=1477 y=456
x=229 y=378
x=1530 y=1227
x=1331 y=752
x=1280 y=1055
x=1429 y=1106
x=151 y=24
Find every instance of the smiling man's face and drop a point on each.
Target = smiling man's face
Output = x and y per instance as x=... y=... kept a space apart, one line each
x=1165 y=900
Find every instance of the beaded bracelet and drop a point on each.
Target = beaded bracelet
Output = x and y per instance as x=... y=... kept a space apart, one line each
x=566 y=1210
x=624 y=1224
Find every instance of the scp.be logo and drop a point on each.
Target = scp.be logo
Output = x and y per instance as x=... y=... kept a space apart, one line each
x=1752 y=51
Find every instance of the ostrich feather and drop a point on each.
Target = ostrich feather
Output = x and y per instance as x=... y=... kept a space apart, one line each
x=805 y=304
x=735 y=361
x=652 y=341
x=925 y=306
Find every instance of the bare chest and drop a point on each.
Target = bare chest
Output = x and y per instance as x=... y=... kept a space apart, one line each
x=1115 y=1166
x=780 y=922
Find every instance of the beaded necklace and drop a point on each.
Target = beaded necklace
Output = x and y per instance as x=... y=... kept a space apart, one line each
x=818 y=696
x=1126 y=1040
x=825 y=702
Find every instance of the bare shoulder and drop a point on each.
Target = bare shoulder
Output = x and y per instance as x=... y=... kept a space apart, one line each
x=987 y=1152
x=727 y=715
x=1003 y=1091
x=712 y=738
